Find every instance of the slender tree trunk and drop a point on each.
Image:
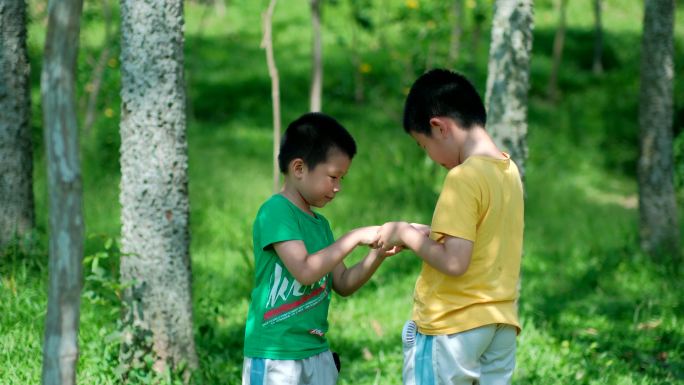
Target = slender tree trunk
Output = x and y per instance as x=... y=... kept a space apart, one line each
x=95 y=82
x=659 y=228
x=220 y=7
x=508 y=77
x=558 y=42
x=355 y=51
x=60 y=349
x=267 y=45
x=479 y=18
x=16 y=154
x=359 y=84
x=430 y=56
x=154 y=187
x=316 y=58
x=456 y=33
x=597 y=66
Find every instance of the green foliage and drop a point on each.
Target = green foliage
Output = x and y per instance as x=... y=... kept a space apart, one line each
x=679 y=161
x=125 y=351
x=594 y=309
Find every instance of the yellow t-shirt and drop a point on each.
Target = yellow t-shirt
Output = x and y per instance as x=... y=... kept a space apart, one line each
x=481 y=201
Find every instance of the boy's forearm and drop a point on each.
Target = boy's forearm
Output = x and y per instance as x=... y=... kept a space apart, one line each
x=433 y=253
x=323 y=261
x=356 y=276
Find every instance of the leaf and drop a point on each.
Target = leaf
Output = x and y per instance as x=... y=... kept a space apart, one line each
x=377 y=328
x=363 y=21
x=367 y=355
x=652 y=324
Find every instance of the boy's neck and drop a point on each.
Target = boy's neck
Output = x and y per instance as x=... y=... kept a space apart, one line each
x=477 y=142
x=290 y=193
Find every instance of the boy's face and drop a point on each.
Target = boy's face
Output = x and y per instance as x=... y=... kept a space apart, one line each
x=319 y=185
x=436 y=148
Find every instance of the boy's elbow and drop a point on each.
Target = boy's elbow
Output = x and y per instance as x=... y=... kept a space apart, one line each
x=342 y=290
x=306 y=278
x=455 y=270
x=457 y=266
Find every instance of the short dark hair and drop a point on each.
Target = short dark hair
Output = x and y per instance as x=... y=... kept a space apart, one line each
x=441 y=92
x=311 y=137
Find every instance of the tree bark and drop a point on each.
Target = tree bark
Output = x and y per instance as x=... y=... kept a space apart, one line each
x=60 y=350
x=456 y=33
x=316 y=58
x=154 y=186
x=558 y=42
x=597 y=66
x=508 y=77
x=17 y=215
x=267 y=45
x=659 y=227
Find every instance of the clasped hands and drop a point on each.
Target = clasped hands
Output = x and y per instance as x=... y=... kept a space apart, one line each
x=388 y=237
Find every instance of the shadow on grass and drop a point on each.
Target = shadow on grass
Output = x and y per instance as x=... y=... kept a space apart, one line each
x=608 y=299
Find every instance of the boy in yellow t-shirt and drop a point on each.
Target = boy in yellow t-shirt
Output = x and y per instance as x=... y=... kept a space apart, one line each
x=465 y=317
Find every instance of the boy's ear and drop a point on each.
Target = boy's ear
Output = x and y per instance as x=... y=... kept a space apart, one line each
x=296 y=167
x=440 y=126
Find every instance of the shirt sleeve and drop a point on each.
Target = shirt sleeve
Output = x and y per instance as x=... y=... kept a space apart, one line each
x=457 y=210
x=277 y=223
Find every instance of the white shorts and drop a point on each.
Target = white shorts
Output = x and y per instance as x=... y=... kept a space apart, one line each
x=315 y=370
x=484 y=355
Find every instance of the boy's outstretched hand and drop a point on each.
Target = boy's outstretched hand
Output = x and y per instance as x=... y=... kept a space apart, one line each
x=368 y=235
x=389 y=234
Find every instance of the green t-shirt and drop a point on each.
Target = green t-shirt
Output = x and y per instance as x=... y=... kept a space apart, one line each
x=286 y=320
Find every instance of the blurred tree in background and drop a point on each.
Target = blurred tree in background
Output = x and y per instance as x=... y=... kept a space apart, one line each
x=657 y=200
x=16 y=151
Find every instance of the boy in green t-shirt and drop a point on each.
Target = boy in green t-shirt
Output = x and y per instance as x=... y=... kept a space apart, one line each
x=298 y=262
x=465 y=320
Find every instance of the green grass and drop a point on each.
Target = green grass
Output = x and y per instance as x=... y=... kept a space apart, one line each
x=594 y=309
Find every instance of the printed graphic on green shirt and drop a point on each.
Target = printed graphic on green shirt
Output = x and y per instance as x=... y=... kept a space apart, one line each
x=287 y=298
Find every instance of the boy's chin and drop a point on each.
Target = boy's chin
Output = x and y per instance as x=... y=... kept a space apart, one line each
x=321 y=204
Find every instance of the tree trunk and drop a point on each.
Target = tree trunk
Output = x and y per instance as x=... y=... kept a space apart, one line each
x=316 y=57
x=479 y=19
x=16 y=154
x=357 y=62
x=267 y=45
x=456 y=33
x=154 y=187
x=597 y=66
x=558 y=43
x=60 y=350
x=508 y=77
x=659 y=227
x=95 y=82
x=355 y=51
